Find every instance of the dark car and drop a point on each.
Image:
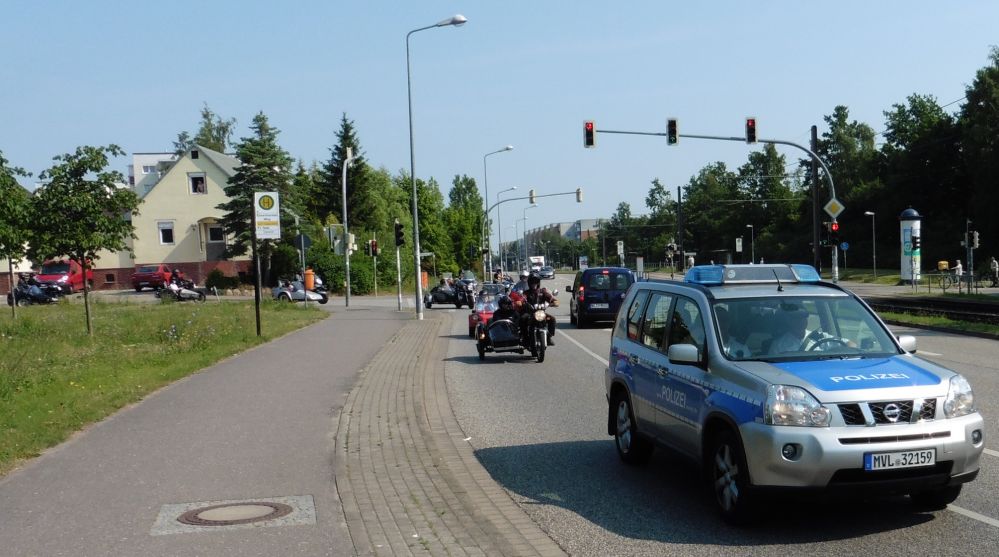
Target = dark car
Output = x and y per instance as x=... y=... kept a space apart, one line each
x=460 y=294
x=596 y=294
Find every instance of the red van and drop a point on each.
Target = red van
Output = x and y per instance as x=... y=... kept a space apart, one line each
x=68 y=274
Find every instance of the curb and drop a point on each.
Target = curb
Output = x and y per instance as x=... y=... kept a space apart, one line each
x=989 y=336
x=408 y=482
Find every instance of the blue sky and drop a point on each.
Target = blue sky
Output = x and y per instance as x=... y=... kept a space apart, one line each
x=524 y=73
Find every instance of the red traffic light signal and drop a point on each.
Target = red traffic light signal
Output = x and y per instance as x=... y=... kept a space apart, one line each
x=589 y=134
x=750 y=130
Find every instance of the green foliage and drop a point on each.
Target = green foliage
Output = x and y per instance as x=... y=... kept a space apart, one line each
x=15 y=208
x=214 y=133
x=216 y=278
x=285 y=263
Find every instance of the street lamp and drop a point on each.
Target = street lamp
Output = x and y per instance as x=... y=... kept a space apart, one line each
x=456 y=21
x=524 y=239
x=752 y=243
x=499 y=227
x=485 y=199
x=517 y=234
x=874 y=244
x=502 y=252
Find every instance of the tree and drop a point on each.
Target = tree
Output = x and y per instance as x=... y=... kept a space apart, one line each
x=364 y=210
x=15 y=206
x=264 y=166
x=82 y=210
x=214 y=133
x=980 y=139
x=464 y=221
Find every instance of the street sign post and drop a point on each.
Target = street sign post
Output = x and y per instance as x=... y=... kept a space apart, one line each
x=267 y=215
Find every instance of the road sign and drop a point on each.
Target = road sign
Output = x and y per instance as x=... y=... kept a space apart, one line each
x=620 y=248
x=844 y=246
x=303 y=242
x=738 y=245
x=267 y=215
x=426 y=253
x=833 y=208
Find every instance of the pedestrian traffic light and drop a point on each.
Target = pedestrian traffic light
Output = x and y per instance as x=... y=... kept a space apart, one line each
x=834 y=233
x=400 y=237
x=672 y=136
x=917 y=242
x=579 y=195
x=750 y=130
x=974 y=239
x=374 y=248
x=589 y=134
x=531 y=197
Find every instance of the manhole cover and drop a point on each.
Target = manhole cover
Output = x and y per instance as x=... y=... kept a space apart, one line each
x=234 y=513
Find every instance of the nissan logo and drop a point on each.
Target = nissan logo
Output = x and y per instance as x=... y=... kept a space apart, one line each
x=892 y=412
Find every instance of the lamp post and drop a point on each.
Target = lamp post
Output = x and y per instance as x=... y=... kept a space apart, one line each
x=485 y=200
x=502 y=254
x=752 y=243
x=499 y=227
x=524 y=239
x=874 y=244
x=346 y=237
x=517 y=234
x=457 y=20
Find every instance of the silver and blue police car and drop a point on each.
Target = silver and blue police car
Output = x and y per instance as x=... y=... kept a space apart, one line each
x=773 y=380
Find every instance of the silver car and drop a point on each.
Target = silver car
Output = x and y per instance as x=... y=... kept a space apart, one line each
x=775 y=381
x=294 y=291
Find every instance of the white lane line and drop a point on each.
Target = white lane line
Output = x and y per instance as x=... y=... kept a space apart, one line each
x=602 y=361
x=928 y=353
x=991 y=452
x=974 y=515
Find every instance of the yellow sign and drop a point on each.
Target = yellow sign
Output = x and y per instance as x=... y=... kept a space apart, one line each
x=266 y=202
x=834 y=208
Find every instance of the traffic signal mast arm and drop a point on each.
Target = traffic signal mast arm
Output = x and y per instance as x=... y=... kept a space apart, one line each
x=576 y=192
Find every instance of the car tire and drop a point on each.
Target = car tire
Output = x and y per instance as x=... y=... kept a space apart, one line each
x=457 y=305
x=572 y=317
x=23 y=302
x=429 y=305
x=284 y=298
x=138 y=289
x=582 y=322
x=935 y=499
x=729 y=478
x=201 y=297
x=631 y=446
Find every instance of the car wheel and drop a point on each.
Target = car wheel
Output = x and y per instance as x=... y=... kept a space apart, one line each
x=138 y=289
x=201 y=297
x=324 y=299
x=572 y=317
x=284 y=298
x=582 y=322
x=457 y=305
x=730 y=478
x=22 y=302
x=935 y=499
x=429 y=305
x=631 y=446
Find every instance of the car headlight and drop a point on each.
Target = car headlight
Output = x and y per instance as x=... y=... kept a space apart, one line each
x=63 y=278
x=787 y=405
x=960 y=400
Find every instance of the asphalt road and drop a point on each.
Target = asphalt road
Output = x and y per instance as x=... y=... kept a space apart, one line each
x=540 y=430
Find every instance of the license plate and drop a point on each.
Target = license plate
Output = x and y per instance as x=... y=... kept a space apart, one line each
x=599 y=306
x=900 y=459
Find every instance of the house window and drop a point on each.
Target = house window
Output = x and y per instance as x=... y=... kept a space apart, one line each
x=197 y=181
x=215 y=234
x=166 y=232
x=148 y=169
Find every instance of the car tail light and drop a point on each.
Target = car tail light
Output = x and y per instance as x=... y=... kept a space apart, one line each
x=581 y=293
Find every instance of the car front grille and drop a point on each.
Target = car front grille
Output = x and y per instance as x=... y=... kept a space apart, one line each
x=883 y=412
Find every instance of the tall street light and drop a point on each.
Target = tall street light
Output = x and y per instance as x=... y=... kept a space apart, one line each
x=499 y=227
x=524 y=239
x=456 y=21
x=346 y=237
x=502 y=254
x=752 y=243
x=485 y=199
x=517 y=234
x=874 y=244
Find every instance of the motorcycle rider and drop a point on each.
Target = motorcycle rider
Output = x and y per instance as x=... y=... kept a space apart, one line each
x=522 y=286
x=505 y=311
x=535 y=295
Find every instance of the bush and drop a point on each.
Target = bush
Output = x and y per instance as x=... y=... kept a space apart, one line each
x=217 y=279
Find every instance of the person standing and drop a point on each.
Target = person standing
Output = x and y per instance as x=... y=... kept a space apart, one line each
x=994 y=272
x=958 y=269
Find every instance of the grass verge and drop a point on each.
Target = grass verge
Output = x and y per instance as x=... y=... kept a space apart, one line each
x=54 y=379
x=941 y=322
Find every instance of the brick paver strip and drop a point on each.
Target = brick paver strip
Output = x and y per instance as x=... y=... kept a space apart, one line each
x=409 y=483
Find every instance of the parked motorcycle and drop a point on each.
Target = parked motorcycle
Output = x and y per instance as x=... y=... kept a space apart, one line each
x=180 y=291
x=29 y=292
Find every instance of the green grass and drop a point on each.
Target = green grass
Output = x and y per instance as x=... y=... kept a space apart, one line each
x=935 y=321
x=54 y=379
x=865 y=276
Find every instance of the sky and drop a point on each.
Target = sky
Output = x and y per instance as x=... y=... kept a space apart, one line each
x=520 y=72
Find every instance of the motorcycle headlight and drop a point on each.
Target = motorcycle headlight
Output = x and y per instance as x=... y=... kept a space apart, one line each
x=539 y=315
x=960 y=400
x=787 y=405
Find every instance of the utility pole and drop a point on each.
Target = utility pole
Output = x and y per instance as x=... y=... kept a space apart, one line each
x=816 y=249
x=679 y=225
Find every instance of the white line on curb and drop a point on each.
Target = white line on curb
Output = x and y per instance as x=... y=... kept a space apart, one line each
x=991 y=452
x=602 y=361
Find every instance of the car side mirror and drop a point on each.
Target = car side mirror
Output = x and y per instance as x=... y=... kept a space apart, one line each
x=684 y=354
x=907 y=342
x=568 y=288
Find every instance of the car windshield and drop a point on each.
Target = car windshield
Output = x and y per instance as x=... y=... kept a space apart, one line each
x=800 y=328
x=55 y=269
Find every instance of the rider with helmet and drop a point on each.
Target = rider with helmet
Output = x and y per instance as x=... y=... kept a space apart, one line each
x=534 y=295
x=522 y=286
x=504 y=310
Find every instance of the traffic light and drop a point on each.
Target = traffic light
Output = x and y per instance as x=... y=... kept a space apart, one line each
x=824 y=240
x=374 y=248
x=579 y=195
x=589 y=134
x=834 y=233
x=400 y=237
x=750 y=130
x=367 y=248
x=974 y=239
x=672 y=136
x=917 y=242
x=531 y=197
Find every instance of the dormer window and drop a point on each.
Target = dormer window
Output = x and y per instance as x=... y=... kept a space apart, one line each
x=194 y=153
x=197 y=183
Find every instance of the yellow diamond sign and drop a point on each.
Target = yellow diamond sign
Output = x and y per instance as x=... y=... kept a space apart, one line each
x=833 y=208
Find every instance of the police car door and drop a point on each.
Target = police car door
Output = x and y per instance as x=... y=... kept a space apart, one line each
x=682 y=388
x=647 y=358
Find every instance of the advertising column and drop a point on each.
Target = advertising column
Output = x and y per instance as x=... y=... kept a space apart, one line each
x=909 y=222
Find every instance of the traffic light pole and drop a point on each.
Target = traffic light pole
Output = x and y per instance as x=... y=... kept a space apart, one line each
x=398 y=275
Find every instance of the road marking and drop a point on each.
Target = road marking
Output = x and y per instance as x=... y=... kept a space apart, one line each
x=927 y=353
x=602 y=361
x=991 y=452
x=974 y=515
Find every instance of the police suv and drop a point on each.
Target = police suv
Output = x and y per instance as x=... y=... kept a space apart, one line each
x=774 y=380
